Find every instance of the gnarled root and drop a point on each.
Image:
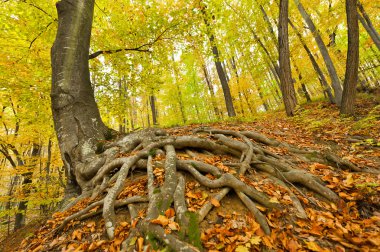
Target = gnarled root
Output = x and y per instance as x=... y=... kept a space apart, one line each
x=144 y=151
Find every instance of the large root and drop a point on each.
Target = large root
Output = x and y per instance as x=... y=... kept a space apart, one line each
x=185 y=156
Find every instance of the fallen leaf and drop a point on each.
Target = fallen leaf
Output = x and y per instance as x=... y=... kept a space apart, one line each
x=215 y=202
x=161 y=220
x=169 y=213
x=140 y=244
x=313 y=246
x=241 y=248
x=173 y=225
x=255 y=240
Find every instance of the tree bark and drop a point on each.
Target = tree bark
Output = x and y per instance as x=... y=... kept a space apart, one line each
x=219 y=67
x=335 y=82
x=321 y=76
x=367 y=24
x=212 y=93
x=152 y=100
x=76 y=116
x=351 y=76
x=287 y=87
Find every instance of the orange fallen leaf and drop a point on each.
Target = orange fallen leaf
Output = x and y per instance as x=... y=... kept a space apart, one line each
x=140 y=244
x=161 y=220
x=215 y=202
x=169 y=213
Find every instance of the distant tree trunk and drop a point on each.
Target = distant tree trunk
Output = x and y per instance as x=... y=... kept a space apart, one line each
x=152 y=100
x=367 y=24
x=335 y=82
x=235 y=70
x=287 y=87
x=303 y=86
x=351 y=76
x=27 y=180
x=219 y=67
x=76 y=116
x=212 y=93
x=321 y=76
x=223 y=80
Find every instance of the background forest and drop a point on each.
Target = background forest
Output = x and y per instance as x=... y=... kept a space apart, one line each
x=154 y=63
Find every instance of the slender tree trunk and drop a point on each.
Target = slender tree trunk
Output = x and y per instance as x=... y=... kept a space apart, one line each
x=235 y=70
x=223 y=79
x=367 y=24
x=351 y=76
x=335 y=82
x=76 y=116
x=27 y=180
x=219 y=67
x=287 y=87
x=321 y=76
x=303 y=86
x=152 y=99
x=212 y=93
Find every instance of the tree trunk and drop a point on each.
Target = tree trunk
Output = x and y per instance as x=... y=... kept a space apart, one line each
x=367 y=24
x=321 y=76
x=351 y=76
x=335 y=82
x=212 y=93
x=219 y=67
x=76 y=116
x=303 y=86
x=152 y=99
x=287 y=87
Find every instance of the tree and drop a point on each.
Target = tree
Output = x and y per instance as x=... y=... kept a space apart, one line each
x=335 y=82
x=218 y=64
x=367 y=24
x=352 y=63
x=76 y=116
x=287 y=87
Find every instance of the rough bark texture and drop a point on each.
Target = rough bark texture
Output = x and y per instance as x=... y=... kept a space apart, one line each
x=352 y=63
x=287 y=87
x=335 y=82
x=76 y=116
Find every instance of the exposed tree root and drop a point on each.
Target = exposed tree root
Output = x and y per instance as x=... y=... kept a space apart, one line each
x=145 y=150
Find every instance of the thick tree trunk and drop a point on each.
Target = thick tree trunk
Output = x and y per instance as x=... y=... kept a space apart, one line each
x=76 y=116
x=287 y=87
x=351 y=76
x=335 y=82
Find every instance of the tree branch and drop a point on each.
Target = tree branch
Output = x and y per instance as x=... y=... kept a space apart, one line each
x=141 y=48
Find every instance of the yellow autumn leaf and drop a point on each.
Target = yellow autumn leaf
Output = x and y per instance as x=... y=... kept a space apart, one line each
x=241 y=248
x=274 y=200
x=255 y=240
x=313 y=246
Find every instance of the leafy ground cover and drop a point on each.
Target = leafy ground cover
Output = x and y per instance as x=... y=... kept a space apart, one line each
x=352 y=224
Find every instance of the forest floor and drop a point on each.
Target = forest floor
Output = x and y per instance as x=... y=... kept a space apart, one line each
x=355 y=226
